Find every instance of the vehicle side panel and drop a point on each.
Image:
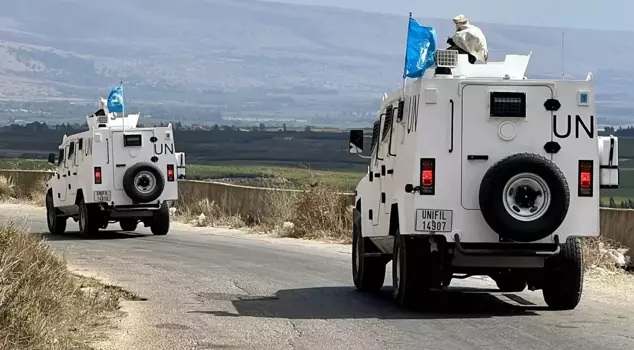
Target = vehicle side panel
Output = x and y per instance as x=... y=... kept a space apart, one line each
x=577 y=134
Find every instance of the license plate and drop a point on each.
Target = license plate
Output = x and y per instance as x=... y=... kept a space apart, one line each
x=433 y=220
x=102 y=196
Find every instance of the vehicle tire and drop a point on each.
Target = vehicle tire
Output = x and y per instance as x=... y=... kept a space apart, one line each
x=510 y=283
x=368 y=273
x=89 y=220
x=410 y=266
x=161 y=221
x=524 y=197
x=128 y=224
x=143 y=182
x=563 y=277
x=56 y=224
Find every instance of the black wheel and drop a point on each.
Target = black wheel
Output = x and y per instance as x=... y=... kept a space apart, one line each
x=89 y=220
x=160 y=225
x=524 y=197
x=56 y=224
x=368 y=273
x=128 y=224
x=411 y=264
x=563 y=277
x=143 y=182
x=510 y=283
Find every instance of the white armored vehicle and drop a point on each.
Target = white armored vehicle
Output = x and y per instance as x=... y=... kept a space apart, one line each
x=477 y=170
x=113 y=172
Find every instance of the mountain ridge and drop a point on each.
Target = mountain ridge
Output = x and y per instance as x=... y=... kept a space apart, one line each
x=252 y=57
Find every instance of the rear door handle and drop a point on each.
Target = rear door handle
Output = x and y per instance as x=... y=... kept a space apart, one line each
x=477 y=157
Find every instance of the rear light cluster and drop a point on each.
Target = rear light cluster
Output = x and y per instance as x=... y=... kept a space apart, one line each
x=586 y=179
x=170 y=172
x=428 y=176
x=97 y=175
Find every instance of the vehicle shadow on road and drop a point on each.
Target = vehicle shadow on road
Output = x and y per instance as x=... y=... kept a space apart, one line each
x=348 y=303
x=102 y=235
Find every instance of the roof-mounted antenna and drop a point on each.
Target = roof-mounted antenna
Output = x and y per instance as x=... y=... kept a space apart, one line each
x=563 y=68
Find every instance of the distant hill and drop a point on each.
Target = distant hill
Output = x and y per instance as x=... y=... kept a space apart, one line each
x=258 y=57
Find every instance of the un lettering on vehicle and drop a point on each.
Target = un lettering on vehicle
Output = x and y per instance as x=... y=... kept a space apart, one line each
x=581 y=127
x=163 y=148
x=433 y=220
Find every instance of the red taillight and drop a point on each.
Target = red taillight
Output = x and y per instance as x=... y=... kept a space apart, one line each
x=427 y=176
x=585 y=178
x=170 y=172
x=97 y=175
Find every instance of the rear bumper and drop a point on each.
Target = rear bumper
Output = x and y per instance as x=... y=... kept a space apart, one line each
x=131 y=211
x=507 y=249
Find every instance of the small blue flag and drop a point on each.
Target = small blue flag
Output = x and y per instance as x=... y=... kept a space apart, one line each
x=421 y=47
x=115 y=100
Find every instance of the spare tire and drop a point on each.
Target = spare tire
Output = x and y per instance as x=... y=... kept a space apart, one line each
x=143 y=182
x=524 y=197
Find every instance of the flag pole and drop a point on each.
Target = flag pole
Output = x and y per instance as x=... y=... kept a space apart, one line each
x=122 y=108
x=405 y=67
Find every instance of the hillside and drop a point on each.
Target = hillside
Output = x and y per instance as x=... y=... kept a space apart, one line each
x=257 y=58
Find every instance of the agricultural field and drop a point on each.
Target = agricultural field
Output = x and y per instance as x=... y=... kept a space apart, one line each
x=25 y=164
x=275 y=176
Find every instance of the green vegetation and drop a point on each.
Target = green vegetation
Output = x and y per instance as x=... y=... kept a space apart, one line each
x=317 y=150
x=254 y=175
x=25 y=164
x=278 y=176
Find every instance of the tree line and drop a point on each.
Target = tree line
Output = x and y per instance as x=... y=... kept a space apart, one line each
x=218 y=143
x=624 y=204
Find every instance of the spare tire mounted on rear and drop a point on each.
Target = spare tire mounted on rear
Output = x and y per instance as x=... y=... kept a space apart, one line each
x=143 y=182
x=524 y=197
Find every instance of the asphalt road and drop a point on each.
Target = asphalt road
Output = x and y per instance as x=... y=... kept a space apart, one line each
x=218 y=289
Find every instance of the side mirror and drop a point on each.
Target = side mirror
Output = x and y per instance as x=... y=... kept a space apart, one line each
x=356 y=141
x=51 y=158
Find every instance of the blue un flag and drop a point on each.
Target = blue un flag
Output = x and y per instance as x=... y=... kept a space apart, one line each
x=421 y=46
x=115 y=100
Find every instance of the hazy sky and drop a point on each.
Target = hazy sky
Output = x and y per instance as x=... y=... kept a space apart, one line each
x=590 y=14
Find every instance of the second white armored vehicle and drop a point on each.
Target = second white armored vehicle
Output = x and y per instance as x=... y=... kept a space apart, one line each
x=114 y=172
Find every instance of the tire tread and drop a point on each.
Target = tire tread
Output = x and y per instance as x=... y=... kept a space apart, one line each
x=369 y=276
x=564 y=277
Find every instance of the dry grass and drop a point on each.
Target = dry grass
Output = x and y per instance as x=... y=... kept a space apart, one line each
x=206 y=213
x=318 y=213
x=7 y=188
x=281 y=206
x=602 y=252
x=37 y=195
x=321 y=214
x=9 y=192
x=42 y=305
